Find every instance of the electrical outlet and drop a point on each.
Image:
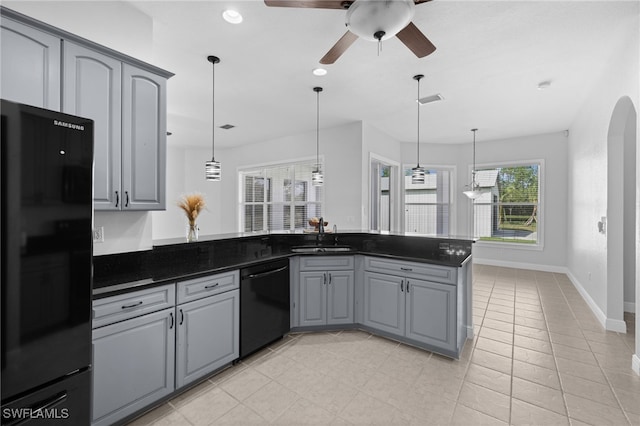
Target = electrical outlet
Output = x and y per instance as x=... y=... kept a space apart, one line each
x=98 y=235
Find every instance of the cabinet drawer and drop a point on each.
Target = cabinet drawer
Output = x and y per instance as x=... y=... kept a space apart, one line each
x=441 y=274
x=326 y=263
x=124 y=306
x=198 y=288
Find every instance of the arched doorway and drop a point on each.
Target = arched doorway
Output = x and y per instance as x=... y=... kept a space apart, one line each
x=622 y=230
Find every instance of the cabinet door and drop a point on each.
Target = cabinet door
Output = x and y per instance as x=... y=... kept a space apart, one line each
x=92 y=89
x=340 y=297
x=208 y=335
x=431 y=313
x=133 y=365
x=29 y=65
x=384 y=302
x=144 y=137
x=313 y=298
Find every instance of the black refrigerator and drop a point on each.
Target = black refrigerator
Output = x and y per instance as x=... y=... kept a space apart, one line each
x=46 y=266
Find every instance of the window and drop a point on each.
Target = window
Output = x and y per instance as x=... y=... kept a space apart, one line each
x=509 y=208
x=428 y=206
x=279 y=198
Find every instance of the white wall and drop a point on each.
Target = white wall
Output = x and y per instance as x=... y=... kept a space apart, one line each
x=588 y=174
x=341 y=151
x=552 y=148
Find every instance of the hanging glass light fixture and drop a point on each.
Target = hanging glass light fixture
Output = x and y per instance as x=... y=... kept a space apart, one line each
x=212 y=169
x=417 y=173
x=317 y=179
x=474 y=191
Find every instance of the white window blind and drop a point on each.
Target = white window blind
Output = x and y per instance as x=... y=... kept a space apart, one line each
x=279 y=198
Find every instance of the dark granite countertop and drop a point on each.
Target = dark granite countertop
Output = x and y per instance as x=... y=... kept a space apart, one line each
x=174 y=259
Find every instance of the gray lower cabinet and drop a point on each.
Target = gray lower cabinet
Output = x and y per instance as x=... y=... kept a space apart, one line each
x=326 y=298
x=133 y=359
x=208 y=335
x=420 y=310
x=29 y=65
x=326 y=290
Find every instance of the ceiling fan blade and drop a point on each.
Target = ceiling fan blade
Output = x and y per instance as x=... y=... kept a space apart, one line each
x=417 y=42
x=314 y=4
x=339 y=48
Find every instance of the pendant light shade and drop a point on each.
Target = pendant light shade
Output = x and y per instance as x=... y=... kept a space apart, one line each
x=474 y=189
x=418 y=173
x=317 y=179
x=213 y=169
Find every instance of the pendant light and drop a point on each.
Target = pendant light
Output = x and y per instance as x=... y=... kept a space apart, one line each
x=212 y=169
x=417 y=173
x=474 y=191
x=317 y=179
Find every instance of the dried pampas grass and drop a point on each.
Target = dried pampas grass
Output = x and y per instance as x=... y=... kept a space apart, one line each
x=192 y=205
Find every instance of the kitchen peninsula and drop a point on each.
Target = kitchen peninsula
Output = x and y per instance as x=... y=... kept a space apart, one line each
x=175 y=311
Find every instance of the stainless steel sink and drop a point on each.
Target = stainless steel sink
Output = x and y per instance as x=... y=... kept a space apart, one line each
x=320 y=249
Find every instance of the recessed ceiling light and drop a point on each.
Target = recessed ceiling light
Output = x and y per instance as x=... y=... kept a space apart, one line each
x=319 y=72
x=232 y=16
x=544 y=84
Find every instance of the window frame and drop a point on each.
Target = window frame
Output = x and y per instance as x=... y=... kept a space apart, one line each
x=539 y=246
x=452 y=169
x=243 y=171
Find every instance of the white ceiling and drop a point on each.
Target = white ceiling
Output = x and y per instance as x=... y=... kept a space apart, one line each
x=489 y=60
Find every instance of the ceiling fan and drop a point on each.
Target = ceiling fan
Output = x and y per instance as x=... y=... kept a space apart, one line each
x=374 y=20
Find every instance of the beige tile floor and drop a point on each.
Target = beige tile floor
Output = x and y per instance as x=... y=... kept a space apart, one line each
x=539 y=358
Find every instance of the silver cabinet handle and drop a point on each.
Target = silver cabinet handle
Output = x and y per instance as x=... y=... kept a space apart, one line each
x=329 y=277
x=117 y=198
x=181 y=316
x=126 y=203
x=172 y=320
x=324 y=278
x=402 y=286
x=406 y=269
x=133 y=305
x=207 y=287
x=407 y=286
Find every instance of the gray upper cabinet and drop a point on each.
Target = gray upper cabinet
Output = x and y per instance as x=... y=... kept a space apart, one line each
x=92 y=89
x=144 y=137
x=29 y=65
x=127 y=99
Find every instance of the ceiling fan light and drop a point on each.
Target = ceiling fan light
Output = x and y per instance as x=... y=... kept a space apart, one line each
x=232 y=16
x=365 y=18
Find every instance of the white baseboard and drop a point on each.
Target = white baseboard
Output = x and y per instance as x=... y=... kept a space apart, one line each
x=520 y=265
x=608 y=323
x=630 y=307
x=635 y=364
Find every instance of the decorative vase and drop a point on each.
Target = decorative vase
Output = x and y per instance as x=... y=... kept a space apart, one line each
x=192 y=232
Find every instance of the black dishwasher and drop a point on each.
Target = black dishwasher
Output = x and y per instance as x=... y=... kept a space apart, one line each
x=264 y=305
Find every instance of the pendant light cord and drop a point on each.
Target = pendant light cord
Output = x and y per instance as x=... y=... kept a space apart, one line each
x=473 y=172
x=318 y=130
x=418 y=78
x=213 y=113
